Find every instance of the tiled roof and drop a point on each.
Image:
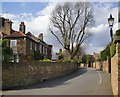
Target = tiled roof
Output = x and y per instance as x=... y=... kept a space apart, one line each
x=2 y=34
x=31 y=36
x=16 y=34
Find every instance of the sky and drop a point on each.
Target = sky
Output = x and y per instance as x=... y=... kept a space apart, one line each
x=36 y=17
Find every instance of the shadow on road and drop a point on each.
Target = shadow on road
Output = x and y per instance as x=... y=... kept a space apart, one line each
x=57 y=81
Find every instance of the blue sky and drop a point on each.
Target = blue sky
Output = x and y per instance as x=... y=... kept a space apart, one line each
x=21 y=7
x=38 y=21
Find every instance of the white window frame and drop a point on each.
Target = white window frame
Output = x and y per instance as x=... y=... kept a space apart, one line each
x=13 y=45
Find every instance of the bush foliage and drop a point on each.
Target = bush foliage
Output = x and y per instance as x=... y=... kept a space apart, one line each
x=112 y=49
x=105 y=53
x=7 y=52
x=118 y=32
x=45 y=60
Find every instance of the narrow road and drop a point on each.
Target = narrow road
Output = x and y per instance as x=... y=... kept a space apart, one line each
x=85 y=81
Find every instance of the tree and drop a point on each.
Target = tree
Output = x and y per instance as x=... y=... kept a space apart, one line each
x=7 y=52
x=60 y=55
x=87 y=59
x=69 y=24
x=105 y=53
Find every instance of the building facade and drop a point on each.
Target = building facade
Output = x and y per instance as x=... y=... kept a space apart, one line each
x=25 y=45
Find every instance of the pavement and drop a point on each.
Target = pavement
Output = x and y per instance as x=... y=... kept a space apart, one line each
x=85 y=81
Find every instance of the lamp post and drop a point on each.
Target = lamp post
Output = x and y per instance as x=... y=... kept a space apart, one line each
x=111 y=22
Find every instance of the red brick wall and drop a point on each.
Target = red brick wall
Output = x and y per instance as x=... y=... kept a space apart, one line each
x=21 y=46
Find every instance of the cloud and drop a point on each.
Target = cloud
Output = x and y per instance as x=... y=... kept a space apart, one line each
x=99 y=28
x=94 y=49
x=47 y=11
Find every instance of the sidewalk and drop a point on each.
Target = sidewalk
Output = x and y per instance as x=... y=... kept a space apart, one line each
x=105 y=86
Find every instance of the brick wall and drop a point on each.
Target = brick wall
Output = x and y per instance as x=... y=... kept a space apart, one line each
x=23 y=74
x=115 y=71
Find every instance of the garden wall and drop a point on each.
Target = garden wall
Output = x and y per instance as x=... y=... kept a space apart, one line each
x=97 y=65
x=115 y=71
x=23 y=74
x=105 y=65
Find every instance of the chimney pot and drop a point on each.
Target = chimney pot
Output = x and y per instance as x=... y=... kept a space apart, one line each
x=22 y=27
x=40 y=36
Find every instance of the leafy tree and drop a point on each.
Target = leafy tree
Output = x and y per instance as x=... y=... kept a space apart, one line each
x=60 y=55
x=112 y=49
x=105 y=53
x=87 y=59
x=7 y=52
x=84 y=59
x=69 y=23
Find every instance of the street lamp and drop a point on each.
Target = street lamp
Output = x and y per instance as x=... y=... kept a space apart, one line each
x=111 y=22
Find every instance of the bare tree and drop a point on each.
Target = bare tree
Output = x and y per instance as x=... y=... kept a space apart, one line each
x=69 y=23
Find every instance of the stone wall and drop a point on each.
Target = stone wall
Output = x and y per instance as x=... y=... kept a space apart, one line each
x=97 y=65
x=105 y=65
x=23 y=74
x=115 y=71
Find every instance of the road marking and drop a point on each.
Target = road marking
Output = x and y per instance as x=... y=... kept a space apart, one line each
x=100 y=78
x=99 y=83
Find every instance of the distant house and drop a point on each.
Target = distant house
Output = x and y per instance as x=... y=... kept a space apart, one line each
x=25 y=45
x=96 y=56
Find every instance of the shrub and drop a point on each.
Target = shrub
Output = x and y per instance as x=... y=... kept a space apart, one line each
x=112 y=49
x=45 y=60
x=7 y=52
x=118 y=32
x=59 y=61
x=105 y=53
x=70 y=60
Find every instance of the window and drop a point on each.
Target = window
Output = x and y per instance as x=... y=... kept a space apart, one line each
x=13 y=45
x=46 y=51
x=35 y=46
x=31 y=45
x=43 y=49
x=40 y=48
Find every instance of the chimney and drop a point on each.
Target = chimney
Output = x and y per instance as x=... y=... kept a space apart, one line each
x=40 y=36
x=22 y=27
x=7 y=26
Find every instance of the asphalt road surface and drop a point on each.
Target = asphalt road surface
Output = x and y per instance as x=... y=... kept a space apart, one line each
x=85 y=81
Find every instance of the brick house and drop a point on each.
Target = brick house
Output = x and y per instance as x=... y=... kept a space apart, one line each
x=25 y=45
